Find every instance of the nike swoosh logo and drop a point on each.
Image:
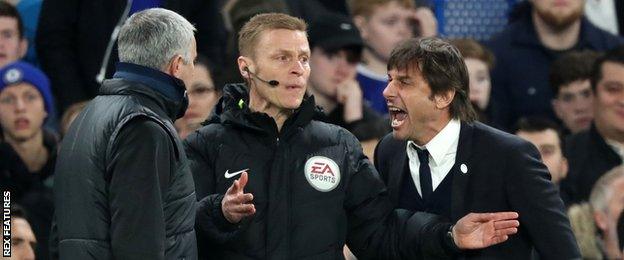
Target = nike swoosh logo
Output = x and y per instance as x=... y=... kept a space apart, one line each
x=228 y=174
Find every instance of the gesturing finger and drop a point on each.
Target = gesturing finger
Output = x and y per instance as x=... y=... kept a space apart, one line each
x=241 y=198
x=498 y=216
x=242 y=181
x=498 y=240
x=506 y=224
x=506 y=231
x=233 y=189
x=244 y=209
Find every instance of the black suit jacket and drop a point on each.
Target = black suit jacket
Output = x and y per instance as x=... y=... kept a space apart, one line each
x=504 y=173
x=590 y=157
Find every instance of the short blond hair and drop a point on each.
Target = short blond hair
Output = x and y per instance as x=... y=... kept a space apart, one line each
x=366 y=7
x=250 y=33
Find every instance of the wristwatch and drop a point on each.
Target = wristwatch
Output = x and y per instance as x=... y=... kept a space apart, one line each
x=449 y=233
x=450 y=240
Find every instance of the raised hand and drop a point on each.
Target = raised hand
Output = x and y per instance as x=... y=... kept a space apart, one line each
x=236 y=204
x=480 y=230
x=350 y=95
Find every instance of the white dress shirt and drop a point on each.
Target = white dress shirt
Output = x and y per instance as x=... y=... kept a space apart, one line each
x=442 y=151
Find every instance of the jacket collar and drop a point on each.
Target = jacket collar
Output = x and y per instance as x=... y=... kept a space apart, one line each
x=233 y=109
x=602 y=145
x=171 y=87
x=525 y=34
x=168 y=91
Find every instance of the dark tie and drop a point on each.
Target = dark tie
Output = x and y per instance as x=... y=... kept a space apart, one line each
x=426 y=188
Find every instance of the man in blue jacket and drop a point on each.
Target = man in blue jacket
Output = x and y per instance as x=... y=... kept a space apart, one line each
x=525 y=50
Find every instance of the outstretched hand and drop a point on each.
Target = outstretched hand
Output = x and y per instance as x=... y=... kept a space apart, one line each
x=480 y=230
x=236 y=204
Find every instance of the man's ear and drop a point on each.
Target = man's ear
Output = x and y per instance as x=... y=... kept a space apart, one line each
x=444 y=99
x=174 y=67
x=23 y=47
x=360 y=23
x=565 y=167
x=243 y=66
x=601 y=220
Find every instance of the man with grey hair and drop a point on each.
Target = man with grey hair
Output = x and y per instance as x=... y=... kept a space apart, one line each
x=123 y=189
x=595 y=222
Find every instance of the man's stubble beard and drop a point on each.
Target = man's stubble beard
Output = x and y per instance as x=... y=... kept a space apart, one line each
x=559 y=22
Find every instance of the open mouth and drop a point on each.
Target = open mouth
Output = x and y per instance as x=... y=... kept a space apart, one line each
x=583 y=120
x=22 y=123
x=397 y=116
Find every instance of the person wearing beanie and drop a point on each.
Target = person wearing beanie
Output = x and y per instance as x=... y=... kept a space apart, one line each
x=27 y=150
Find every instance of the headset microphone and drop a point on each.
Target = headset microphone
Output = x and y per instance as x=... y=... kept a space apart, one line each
x=272 y=83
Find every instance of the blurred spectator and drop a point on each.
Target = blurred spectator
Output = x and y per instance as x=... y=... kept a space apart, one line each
x=595 y=223
x=479 y=61
x=336 y=49
x=13 y=44
x=383 y=24
x=70 y=114
x=593 y=152
x=545 y=135
x=308 y=10
x=202 y=95
x=23 y=240
x=76 y=40
x=28 y=153
x=573 y=97
x=29 y=12
x=235 y=14
x=238 y=12
x=527 y=47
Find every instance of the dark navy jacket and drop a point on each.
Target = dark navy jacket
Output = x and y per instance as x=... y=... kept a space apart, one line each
x=520 y=84
x=590 y=157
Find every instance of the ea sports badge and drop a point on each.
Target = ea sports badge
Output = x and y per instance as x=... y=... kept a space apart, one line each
x=322 y=173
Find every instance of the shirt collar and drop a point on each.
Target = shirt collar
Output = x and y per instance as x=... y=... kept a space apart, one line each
x=443 y=143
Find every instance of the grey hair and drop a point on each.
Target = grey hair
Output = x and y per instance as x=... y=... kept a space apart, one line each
x=154 y=36
x=602 y=190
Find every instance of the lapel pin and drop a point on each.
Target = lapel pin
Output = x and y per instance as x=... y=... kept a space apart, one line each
x=463 y=168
